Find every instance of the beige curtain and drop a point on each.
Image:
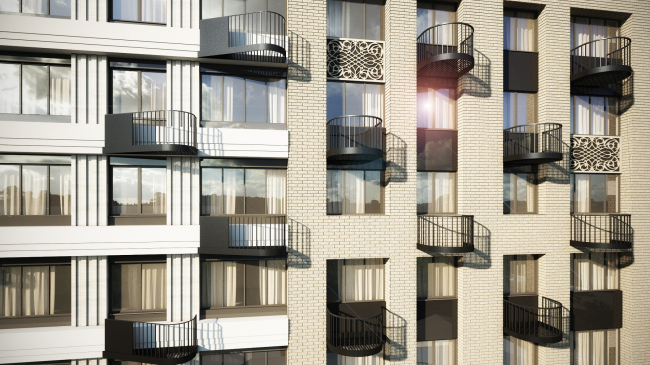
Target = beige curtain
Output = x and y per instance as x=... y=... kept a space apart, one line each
x=213 y=280
x=354 y=201
x=154 y=286
x=519 y=352
x=273 y=282
x=59 y=90
x=336 y=359
x=436 y=277
x=362 y=279
x=10 y=189
x=444 y=188
x=35 y=290
x=34 y=190
x=10 y=302
x=523 y=275
x=596 y=347
x=277 y=103
x=531 y=194
x=230 y=283
x=276 y=187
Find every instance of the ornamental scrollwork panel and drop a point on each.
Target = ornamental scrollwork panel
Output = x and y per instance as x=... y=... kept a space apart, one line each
x=595 y=154
x=353 y=59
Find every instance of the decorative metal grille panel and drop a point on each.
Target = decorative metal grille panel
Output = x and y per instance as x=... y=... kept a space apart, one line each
x=595 y=154
x=354 y=59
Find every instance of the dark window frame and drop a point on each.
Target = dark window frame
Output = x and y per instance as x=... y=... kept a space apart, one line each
x=135 y=315
x=531 y=178
x=382 y=20
x=382 y=194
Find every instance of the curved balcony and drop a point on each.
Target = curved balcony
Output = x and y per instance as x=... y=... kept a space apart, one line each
x=161 y=132
x=257 y=37
x=446 y=51
x=601 y=62
x=532 y=144
x=601 y=231
x=349 y=335
x=356 y=138
x=446 y=233
x=153 y=343
x=535 y=324
x=250 y=235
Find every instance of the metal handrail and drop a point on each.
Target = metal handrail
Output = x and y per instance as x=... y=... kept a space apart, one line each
x=450 y=231
x=262 y=27
x=610 y=51
x=164 y=127
x=256 y=231
x=165 y=341
x=538 y=322
x=355 y=333
x=452 y=37
x=532 y=138
x=601 y=228
x=353 y=131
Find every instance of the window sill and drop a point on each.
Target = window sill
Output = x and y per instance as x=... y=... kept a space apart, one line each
x=35 y=220
x=243 y=125
x=36 y=15
x=154 y=316
x=244 y=311
x=137 y=220
x=139 y=22
x=35 y=118
x=35 y=321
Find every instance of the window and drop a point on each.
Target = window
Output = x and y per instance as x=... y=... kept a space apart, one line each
x=219 y=8
x=354 y=280
x=436 y=277
x=139 y=187
x=243 y=191
x=436 y=192
x=271 y=357
x=336 y=359
x=518 y=352
x=519 y=193
x=59 y=8
x=352 y=19
x=594 y=115
x=137 y=90
x=347 y=98
x=35 y=185
x=431 y=14
x=519 y=109
x=243 y=283
x=595 y=347
x=141 y=11
x=520 y=274
x=30 y=290
x=442 y=352
x=237 y=99
x=594 y=193
x=520 y=31
x=355 y=192
x=584 y=30
x=35 y=88
x=594 y=271
x=436 y=108
x=138 y=286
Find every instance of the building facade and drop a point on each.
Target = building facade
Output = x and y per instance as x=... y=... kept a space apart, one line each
x=324 y=182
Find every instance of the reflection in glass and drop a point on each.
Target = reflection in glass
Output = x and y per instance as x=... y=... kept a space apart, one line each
x=125 y=191
x=125 y=10
x=9 y=87
x=211 y=96
x=125 y=92
x=255 y=191
x=353 y=99
x=597 y=193
x=233 y=191
x=373 y=192
x=211 y=191
x=60 y=7
x=276 y=101
x=59 y=90
x=335 y=100
x=233 y=99
x=153 y=11
x=10 y=6
x=154 y=191
x=335 y=191
x=9 y=190
x=436 y=192
x=255 y=101
x=60 y=190
x=154 y=91
x=34 y=89
x=34 y=6
x=126 y=285
x=353 y=23
x=34 y=190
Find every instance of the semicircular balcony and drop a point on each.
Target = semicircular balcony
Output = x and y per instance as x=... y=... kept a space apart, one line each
x=445 y=51
x=355 y=138
x=532 y=144
x=535 y=324
x=601 y=231
x=601 y=62
x=152 y=343
x=160 y=132
x=247 y=235
x=446 y=233
x=256 y=37
x=351 y=335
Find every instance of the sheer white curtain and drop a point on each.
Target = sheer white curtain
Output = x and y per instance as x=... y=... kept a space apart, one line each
x=444 y=188
x=154 y=11
x=598 y=271
x=213 y=279
x=445 y=34
x=35 y=290
x=10 y=303
x=373 y=100
x=612 y=271
x=9 y=189
x=59 y=90
x=154 y=286
x=523 y=275
x=276 y=183
x=598 y=117
x=436 y=277
x=276 y=101
x=596 y=347
x=581 y=270
x=443 y=110
x=523 y=35
x=230 y=283
x=580 y=32
x=34 y=190
x=581 y=115
x=362 y=279
x=595 y=271
x=597 y=32
x=336 y=359
x=273 y=282
x=519 y=352
x=233 y=99
x=232 y=188
x=581 y=193
x=354 y=202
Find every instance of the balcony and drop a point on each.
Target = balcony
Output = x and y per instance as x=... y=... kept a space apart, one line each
x=532 y=323
x=153 y=343
x=445 y=51
x=446 y=233
x=163 y=132
x=244 y=235
x=601 y=231
x=532 y=144
x=355 y=329
x=256 y=37
x=355 y=138
x=601 y=62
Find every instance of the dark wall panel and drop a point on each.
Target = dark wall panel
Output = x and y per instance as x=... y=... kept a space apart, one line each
x=596 y=310
x=520 y=71
x=437 y=319
x=437 y=150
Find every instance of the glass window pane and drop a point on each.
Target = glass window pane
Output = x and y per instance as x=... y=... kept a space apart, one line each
x=253 y=6
x=154 y=286
x=60 y=7
x=233 y=99
x=255 y=191
x=444 y=188
x=35 y=290
x=212 y=359
x=125 y=10
x=125 y=191
x=234 y=283
x=211 y=9
x=212 y=288
x=233 y=359
x=255 y=101
x=335 y=18
x=353 y=198
x=424 y=108
x=154 y=190
x=60 y=190
x=10 y=6
x=255 y=358
x=509 y=33
x=353 y=99
x=9 y=190
x=59 y=90
x=125 y=287
x=254 y=278
x=9 y=87
x=522 y=110
x=373 y=102
x=233 y=191
x=276 y=101
x=154 y=91
x=334 y=99
x=334 y=192
x=154 y=11
x=373 y=22
x=424 y=190
x=373 y=192
x=234 y=7
x=277 y=358
x=522 y=195
x=34 y=87
x=211 y=97
x=34 y=6
x=424 y=19
x=125 y=91
x=10 y=282
x=211 y=191
x=60 y=294
x=612 y=194
x=354 y=27
x=508 y=194
x=597 y=193
x=34 y=190
x=276 y=191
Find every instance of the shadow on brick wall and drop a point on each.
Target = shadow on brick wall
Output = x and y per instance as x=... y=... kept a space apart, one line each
x=396 y=159
x=627 y=95
x=557 y=172
x=299 y=245
x=395 y=346
x=477 y=82
x=480 y=258
x=299 y=58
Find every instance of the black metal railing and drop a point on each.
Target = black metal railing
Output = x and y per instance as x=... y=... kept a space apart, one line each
x=601 y=230
x=611 y=51
x=539 y=138
x=353 y=334
x=452 y=37
x=257 y=231
x=263 y=27
x=446 y=232
x=164 y=127
x=537 y=324
x=355 y=131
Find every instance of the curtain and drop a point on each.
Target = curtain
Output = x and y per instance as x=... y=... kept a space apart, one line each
x=154 y=286
x=598 y=270
x=233 y=99
x=354 y=185
x=580 y=32
x=509 y=118
x=424 y=20
x=519 y=352
x=443 y=277
x=597 y=32
x=363 y=279
x=445 y=34
x=424 y=107
x=211 y=191
x=443 y=109
x=336 y=359
x=153 y=90
x=273 y=282
x=444 y=188
x=598 y=348
x=9 y=87
x=581 y=115
x=34 y=6
x=581 y=193
x=35 y=290
x=581 y=348
x=9 y=189
x=211 y=95
x=60 y=190
x=233 y=191
x=612 y=271
x=373 y=100
x=231 y=278
x=335 y=191
x=598 y=117
x=276 y=182
x=277 y=103
x=59 y=90
x=334 y=18
x=523 y=275
x=10 y=296
x=153 y=190
x=154 y=11
x=34 y=190
x=212 y=284
x=581 y=272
